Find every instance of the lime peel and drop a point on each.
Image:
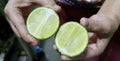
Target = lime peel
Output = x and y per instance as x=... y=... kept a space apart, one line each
x=42 y=23
x=74 y=43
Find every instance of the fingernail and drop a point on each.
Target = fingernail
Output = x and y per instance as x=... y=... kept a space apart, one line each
x=34 y=43
x=57 y=8
x=83 y=21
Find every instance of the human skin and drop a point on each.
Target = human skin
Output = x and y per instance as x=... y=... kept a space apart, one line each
x=17 y=11
x=102 y=25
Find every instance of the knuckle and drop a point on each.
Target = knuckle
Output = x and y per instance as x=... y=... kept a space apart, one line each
x=6 y=9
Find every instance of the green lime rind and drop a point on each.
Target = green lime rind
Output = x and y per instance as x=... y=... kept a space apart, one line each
x=75 y=51
x=42 y=23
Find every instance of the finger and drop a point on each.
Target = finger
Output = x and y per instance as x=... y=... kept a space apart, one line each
x=84 y=22
x=92 y=37
x=87 y=24
x=54 y=47
x=13 y=28
x=94 y=24
x=96 y=49
x=65 y=58
x=90 y=34
x=49 y=3
x=54 y=6
x=16 y=18
x=97 y=24
x=91 y=51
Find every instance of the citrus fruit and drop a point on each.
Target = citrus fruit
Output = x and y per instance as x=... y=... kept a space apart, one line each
x=71 y=39
x=42 y=22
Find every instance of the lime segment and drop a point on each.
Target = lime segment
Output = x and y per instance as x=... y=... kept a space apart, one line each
x=71 y=39
x=42 y=22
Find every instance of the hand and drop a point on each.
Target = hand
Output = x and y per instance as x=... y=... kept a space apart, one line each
x=17 y=11
x=101 y=29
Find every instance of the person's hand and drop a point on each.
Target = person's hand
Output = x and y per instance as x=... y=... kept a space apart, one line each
x=17 y=11
x=101 y=29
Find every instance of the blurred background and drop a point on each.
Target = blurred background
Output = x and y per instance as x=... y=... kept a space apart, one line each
x=6 y=34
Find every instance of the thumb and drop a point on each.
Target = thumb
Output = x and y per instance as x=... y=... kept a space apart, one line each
x=97 y=24
x=91 y=24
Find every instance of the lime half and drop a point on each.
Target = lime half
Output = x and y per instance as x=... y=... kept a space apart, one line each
x=42 y=23
x=71 y=39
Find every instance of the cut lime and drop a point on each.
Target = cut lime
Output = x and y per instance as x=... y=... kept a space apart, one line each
x=42 y=23
x=71 y=39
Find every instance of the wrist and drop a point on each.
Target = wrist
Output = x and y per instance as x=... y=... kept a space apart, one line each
x=111 y=9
